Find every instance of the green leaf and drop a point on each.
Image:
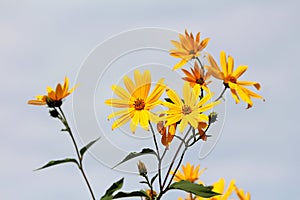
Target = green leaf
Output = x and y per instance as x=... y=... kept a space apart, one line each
x=153 y=179
x=114 y=187
x=57 y=162
x=140 y=193
x=136 y=154
x=197 y=189
x=86 y=147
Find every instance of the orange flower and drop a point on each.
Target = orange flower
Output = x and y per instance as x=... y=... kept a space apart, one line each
x=188 y=48
x=201 y=126
x=230 y=78
x=53 y=98
x=196 y=76
x=167 y=133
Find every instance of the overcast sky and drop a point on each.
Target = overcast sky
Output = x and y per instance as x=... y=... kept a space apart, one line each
x=41 y=42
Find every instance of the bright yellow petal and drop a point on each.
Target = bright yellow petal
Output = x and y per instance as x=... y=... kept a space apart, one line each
x=121 y=121
x=146 y=84
x=120 y=112
x=183 y=124
x=135 y=121
x=223 y=63
x=157 y=92
x=118 y=103
x=249 y=83
x=120 y=92
x=230 y=65
x=128 y=84
x=144 y=119
x=180 y=64
x=173 y=119
x=174 y=97
x=239 y=71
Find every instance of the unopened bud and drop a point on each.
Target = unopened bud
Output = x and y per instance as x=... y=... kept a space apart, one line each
x=54 y=113
x=142 y=168
x=212 y=117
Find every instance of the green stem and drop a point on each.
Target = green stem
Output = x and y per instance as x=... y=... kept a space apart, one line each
x=65 y=122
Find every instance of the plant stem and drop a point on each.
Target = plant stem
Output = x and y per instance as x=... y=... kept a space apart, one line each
x=201 y=65
x=172 y=163
x=159 y=159
x=222 y=93
x=65 y=122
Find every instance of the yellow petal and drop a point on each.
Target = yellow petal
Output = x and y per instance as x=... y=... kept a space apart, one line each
x=120 y=112
x=239 y=71
x=118 y=103
x=204 y=42
x=135 y=121
x=223 y=63
x=230 y=65
x=37 y=102
x=183 y=124
x=180 y=64
x=144 y=119
x=249 y=83
x=157 y=92
x=174 y=97
x=123 y=94
x=128 y=84
x=121 y=121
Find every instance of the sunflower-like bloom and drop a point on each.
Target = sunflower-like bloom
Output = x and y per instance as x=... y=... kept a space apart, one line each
x=188 y=111
x=196 y=76
x=53 y=98
x=219 y=187
x=188 y=48
x=230 y=79
x=167 y=133
x=136 y=101
x=189 y=173
x=240 y=193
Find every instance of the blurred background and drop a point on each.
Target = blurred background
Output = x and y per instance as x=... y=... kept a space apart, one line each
x=43 y=41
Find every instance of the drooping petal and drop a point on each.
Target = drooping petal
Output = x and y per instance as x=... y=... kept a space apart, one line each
x=144 y=119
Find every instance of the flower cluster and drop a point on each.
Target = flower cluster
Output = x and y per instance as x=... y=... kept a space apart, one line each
x=185 y=117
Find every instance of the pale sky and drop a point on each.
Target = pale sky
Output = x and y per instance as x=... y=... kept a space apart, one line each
x=42 y=42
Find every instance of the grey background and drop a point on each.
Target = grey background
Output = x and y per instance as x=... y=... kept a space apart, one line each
x=41 y=42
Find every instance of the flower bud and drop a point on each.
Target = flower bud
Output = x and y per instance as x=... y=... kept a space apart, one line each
x=212 y=117
x=54 y=113
x=142 y=168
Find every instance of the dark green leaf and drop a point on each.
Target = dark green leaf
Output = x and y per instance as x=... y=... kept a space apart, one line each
x=57 y=162
x=143 y=182
x=153 y=179
x=197 y=189
x=114 y=187
x=136 y=154
x=140 y=193
x=86 y=147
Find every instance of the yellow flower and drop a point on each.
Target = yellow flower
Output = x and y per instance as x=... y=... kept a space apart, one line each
x=189 y=173
x=167 y=133
x=240 y=193
x=188 y=111
x=53 y=98
x=230 y=78
x=196 y=76
x=136 y=101
x=188 y=48
x=219 y=187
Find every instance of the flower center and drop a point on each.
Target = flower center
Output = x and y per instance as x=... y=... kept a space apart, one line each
x=231 y=79
x=186 y=110
x=192 y=52
x=200 y=81
x=139 y=104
